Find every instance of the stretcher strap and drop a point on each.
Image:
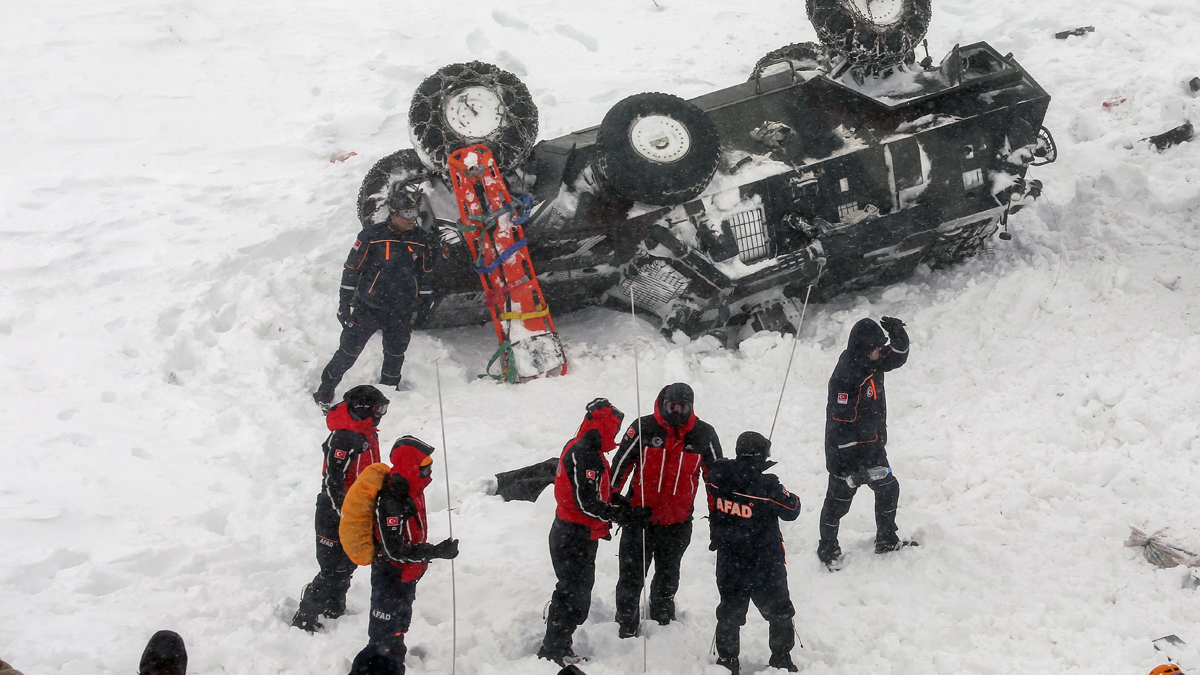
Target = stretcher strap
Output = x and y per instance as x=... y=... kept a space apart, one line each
x=496 y=296
x=508 y=373
x=500 y=259
x=537 y=313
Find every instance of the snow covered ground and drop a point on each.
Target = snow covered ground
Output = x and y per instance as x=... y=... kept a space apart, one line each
x=172 y=230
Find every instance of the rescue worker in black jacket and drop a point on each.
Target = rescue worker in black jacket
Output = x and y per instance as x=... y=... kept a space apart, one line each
x=745 y=507
x=856 y=434
x=386 y=279
x=352 y=445
x=585 y=507
x=663 y=466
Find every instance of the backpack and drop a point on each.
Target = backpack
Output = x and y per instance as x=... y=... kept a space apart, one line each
x=357 y=529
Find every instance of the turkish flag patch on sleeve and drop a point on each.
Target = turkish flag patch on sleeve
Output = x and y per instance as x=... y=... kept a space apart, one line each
x=393 y=521
x=357 y=243
x=843 y=399
x=340 y=454
x=591 y=474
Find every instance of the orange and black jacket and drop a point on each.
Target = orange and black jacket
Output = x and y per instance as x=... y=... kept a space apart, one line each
x=745 y=507
x=387 y=269
x=856 y=412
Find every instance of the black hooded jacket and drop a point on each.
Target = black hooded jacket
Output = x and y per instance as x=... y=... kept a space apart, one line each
x=745 y=507
x=856 y=412
x=387 y=269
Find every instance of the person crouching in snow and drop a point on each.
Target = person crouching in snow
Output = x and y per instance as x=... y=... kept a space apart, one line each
x=352 y=446
x=583 y=492
x=745 y=507
x=401 y=552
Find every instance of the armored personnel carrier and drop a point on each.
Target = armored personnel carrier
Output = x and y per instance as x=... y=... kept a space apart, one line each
x=837 y=166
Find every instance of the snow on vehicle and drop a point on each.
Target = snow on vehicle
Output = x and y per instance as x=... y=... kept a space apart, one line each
x=847 y=162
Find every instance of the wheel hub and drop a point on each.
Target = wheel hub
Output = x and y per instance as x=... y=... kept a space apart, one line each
x=474 y=112
x=660 y=139
x=881 y=13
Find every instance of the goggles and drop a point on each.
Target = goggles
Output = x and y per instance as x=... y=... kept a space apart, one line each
x=426 y=469
x=675 y=407
x=407 y=214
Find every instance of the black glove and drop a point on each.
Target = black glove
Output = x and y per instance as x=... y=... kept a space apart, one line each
x=856 y=479
x=423 y=311
x=618 y=499
x=448 y=550
x=891 y=324
x=634 y=516
x=343 y=316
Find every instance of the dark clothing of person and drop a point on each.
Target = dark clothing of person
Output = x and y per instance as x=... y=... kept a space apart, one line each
x=582 y=517
x=374 y=660
x=391 y=609
x=386 y=278
x=662 y=462
x=164 y=654
x=745 y=507
x=664 y=546
x=352 y=446
x=856 y=431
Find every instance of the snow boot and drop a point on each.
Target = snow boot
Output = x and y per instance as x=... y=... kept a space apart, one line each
x=783 y=662
x=323 y=400
x=334 y=608
x=556 y=646
x=830 y=554
x=730 y=662
x=728 y=641
x=624 y=631
x=375 y=660
x=889 y=546
x=164 y=655
x=306 y=615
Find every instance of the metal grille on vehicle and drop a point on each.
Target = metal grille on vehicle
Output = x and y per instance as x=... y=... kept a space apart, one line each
x=657 y=285
x=750 y=231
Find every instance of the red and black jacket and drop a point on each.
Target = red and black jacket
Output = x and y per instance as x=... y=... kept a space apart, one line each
x=582 y=484
x=856 y=411
x=401 y=523
x=387 y=269
x=663 y=464
x=352 y=446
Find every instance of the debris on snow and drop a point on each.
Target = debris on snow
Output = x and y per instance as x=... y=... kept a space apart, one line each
x=1158 y=552
x=1179 y=134
x=1082 y=30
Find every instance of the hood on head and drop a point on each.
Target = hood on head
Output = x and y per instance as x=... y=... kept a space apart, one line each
x=606 y=419
x=865 y=337
x=679 y=393
x=409 y=454
x=754 y=449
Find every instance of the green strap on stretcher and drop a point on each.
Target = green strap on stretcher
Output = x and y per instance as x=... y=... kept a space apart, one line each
x=506 y=374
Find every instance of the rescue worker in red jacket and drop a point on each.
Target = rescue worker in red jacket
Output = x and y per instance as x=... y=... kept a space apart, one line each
x=745 y=507
x=402 y=553
x=386 y=279
x=663 y=464
x=585 y=509
x=856 y=435
x=352 y=445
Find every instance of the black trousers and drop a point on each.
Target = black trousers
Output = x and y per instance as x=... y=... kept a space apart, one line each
x=769 y=591
x=327 y=592
x=391 y=608
x=573 y=554
x=838 y=497
x=664 y=545
x=397 y=330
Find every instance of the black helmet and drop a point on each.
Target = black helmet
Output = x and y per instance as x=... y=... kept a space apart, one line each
x=405 y=197
x=752 y=444
x=675 y=404
x=365 y=401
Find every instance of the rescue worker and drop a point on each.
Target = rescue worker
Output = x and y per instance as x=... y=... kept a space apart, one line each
x=401 y=552
x=352 y=445
x=745 y=507
x=856 y=435
x=386 y=279
x=662 y=464
x=585 y=509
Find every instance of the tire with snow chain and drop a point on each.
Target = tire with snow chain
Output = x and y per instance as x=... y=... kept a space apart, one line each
x=657 y=149
x=467 y=103
x=805 y=55
x=870 y=32
x=400 y=166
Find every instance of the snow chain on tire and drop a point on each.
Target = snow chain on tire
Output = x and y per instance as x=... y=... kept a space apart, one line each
x=434 y=136
x=400 y=166
x=656 y=149
x=846 y=30
x=807 y=55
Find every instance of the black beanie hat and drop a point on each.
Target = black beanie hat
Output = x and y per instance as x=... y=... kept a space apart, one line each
x=752 y=444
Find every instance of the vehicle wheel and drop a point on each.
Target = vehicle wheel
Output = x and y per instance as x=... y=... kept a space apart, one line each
x=657 y=149
x=402 y=165
x=467 y=103
x=807 y=55
x=870 y=32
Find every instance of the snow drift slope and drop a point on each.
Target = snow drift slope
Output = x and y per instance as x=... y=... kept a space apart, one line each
x=173 y=230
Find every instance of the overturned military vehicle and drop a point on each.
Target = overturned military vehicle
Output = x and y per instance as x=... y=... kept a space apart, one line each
x=837 y=166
